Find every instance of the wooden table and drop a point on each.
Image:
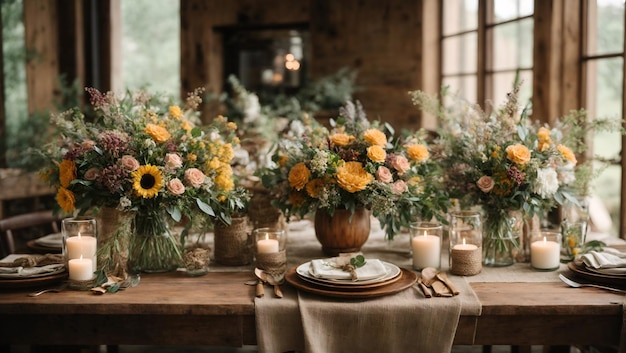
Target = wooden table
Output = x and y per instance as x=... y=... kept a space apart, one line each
x=218 y=309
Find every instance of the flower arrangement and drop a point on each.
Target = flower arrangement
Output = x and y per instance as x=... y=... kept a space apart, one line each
x=141 y=153
x=357 y=164
x=504 y=162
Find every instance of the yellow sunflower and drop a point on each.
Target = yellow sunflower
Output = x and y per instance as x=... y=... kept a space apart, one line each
x=147 y=181
x=67 y=172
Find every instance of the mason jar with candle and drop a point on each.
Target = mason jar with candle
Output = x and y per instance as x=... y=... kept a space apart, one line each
x=270 y=253
x=545 y=250
x=426 y=244
x=80 y=250
x=466 y=237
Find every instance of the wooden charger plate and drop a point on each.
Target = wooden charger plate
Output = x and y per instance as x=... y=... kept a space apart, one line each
x=41 y=249
x=6 y=283
x=584 y=273
x=406 y=279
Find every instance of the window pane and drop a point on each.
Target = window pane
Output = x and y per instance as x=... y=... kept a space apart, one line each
x=459 y=54
x=513 y=45
x=151 y=45
x=503 y=83
x=462 y=86
x=604 y=94
x=459 y=16
x=606 y=27
x=509 y=9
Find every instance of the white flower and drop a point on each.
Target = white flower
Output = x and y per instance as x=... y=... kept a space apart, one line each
x=125 y=203
x=252 y=109
x=567 y=174
x=547 y=182
x=319 y=162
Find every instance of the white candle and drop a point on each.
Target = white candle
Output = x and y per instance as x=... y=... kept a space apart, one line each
x=465 y=247
x=267 y=245
x=81 y=269
x=79 y=246
x=426 y=251
x=545 y=254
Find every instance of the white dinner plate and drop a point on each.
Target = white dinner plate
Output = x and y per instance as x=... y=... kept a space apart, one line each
x=54 y=240
x=392 y=272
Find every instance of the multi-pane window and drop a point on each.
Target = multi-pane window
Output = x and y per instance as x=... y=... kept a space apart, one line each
x=485 y=45
x=603 y=95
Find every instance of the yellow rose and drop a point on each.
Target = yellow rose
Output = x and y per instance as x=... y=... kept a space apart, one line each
x=518 y=154
x=299 y=176
x=341 y=139
x=567 y=153
x=376 y=154
x=175 y=112
x=315 y=187
x=418 y=153
x=158 y=133
x=544 y=139
x=375 y=137
x=67 y=172
x=231 y=125
x=352 y=177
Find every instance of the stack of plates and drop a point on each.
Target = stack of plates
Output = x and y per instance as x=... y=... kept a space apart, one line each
x=598 y=276
x=394 y=280
x=51 y=243
x=30 y=277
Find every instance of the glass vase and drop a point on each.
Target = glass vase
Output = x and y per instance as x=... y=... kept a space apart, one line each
x=153 y=247
x=501 y=238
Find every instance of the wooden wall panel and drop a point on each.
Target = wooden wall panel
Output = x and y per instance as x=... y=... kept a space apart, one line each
x=42 y=46
x=381 y=39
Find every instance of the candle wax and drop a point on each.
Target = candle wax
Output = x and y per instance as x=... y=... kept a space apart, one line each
x=545 y=254
x=426 y=251
x=81 y=246
x=81 y=269
x=266 y=246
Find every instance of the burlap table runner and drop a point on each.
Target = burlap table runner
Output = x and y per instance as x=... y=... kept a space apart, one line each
x=402 y=322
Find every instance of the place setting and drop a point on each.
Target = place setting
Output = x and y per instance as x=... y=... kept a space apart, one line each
x=50 y=243
x=350 y=275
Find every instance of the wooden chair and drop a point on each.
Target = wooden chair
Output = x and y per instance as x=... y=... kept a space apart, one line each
x=10 y=227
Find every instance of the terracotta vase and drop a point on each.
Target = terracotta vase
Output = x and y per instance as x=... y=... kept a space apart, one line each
x=343 y=231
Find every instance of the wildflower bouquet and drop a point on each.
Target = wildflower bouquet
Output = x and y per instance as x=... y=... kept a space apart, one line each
x=357 y=164
x=143 y=154
x=505 y=163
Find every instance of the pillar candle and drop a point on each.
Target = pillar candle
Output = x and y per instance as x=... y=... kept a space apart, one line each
x=82 y=246
x=426 y=251
x=267 y=245
x=545 y=254
x=81 y=269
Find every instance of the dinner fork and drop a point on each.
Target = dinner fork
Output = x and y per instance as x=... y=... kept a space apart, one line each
x=574 y=284
x=48 y=290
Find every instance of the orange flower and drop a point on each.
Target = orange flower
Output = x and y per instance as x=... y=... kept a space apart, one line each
x=418 y=153
x=544 y=139
x=158 y=133
x=65 y=199
x=376 y=154
x=299 y=176
x=314 y=187
x=67 y=172
x=518 y=154
x=352 y=177
x=567 y=153
x=375 y=137
x=175 y=112
x=341 y=139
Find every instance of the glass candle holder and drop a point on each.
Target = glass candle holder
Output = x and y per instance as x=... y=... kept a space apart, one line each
x=573 y=234
x=80 y=242
x=270 y=251
x=426 y=244
x=545 y=250
x=466 y=237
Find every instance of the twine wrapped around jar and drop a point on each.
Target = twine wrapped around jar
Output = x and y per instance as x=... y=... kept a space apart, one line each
x=233 y=243
x=466 y=263
x=274 y=263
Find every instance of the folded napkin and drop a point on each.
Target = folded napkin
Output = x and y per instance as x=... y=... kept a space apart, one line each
x=21 y=266
x=332 y=268
x=609 y=261
x=20 y=272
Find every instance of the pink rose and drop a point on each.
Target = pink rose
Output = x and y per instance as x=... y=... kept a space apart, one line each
x=485 y=183
x=173 y=161
x=176 y=187
x=194 y=177
x=399 y=187
x=92 y=173
x=400 y=163
x=130 y=163
x=383 y=174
